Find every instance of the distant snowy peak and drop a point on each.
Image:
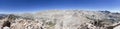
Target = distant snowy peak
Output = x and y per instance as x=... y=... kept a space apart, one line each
x=3 y=15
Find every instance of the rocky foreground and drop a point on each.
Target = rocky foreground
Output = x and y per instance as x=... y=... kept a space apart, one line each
x=62 y=19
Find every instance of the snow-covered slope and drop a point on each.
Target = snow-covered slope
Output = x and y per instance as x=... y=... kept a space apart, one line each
x=65 y=19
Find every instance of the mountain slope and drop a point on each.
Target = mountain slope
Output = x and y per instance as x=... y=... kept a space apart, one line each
x=65 y=19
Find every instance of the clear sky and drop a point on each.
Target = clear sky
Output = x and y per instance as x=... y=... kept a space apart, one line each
x=14 y=6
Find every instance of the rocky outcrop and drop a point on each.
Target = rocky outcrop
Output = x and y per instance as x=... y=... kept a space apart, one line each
x=63 y=19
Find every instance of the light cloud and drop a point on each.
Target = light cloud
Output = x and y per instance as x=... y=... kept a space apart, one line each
x=115 y=11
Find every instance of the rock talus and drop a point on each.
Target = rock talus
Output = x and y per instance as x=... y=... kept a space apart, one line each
x=62 y=19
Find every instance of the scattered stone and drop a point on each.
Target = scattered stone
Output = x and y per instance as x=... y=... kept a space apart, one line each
x=66 y=19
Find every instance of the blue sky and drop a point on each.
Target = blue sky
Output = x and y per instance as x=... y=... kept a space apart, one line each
x=15 y=6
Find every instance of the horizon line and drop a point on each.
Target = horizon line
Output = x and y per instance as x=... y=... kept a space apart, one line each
x=60 y=9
